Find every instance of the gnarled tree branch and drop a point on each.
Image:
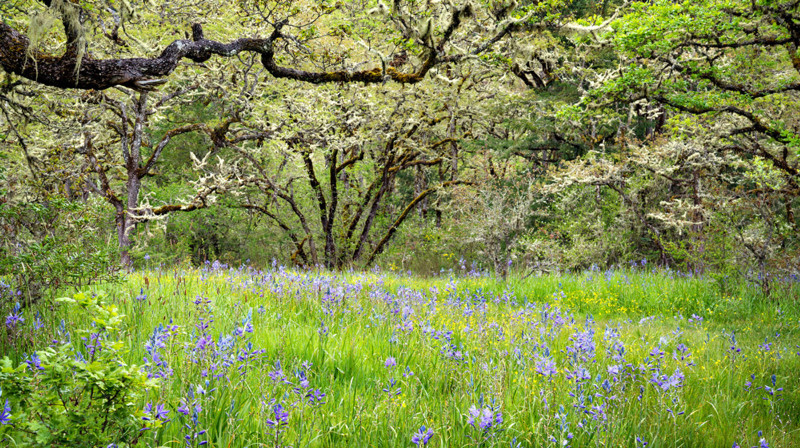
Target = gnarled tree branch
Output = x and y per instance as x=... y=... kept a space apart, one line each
x=17 y=57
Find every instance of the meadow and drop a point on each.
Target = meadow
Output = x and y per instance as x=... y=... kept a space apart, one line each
x=237 y=357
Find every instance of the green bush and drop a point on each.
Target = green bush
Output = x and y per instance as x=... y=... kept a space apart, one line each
x=51 y=245
x=78 y=392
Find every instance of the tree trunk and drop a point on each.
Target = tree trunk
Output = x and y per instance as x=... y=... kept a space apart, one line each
x=451 y=134
x=124 y=228
x=420 y=185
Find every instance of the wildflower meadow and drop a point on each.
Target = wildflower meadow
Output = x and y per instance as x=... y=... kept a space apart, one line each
x=237 y=357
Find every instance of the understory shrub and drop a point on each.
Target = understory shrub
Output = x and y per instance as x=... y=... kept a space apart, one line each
x=78 y=391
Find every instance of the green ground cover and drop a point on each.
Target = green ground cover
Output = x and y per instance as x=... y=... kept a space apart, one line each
x=244 y=358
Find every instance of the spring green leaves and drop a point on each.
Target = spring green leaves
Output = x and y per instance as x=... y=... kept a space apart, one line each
x=78 y=391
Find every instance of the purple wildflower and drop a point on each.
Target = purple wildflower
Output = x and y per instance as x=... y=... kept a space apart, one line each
x=14 y=318
x=422 y=436
x=315 y=397
x=37 y=322
x=390 y=390
x=277 y=375
x=142 y=296
x=148 y=409
x=279 y=418
x=583 y=344
x=5 y=416
x=668 y=382
x=161 y=413
x=184 y=408
x=302 y=379
x=34 y=362
x=546 y=367
x=697 y=320
x=484 y=419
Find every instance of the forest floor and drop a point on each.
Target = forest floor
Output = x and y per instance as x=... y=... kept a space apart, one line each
x=240 y=357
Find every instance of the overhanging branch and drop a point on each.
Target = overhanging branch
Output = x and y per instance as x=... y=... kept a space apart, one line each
x=18 y=58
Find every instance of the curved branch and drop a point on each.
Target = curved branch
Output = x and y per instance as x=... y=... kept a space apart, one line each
x=145 y=73
x=293 y=236
x=389 y=233
x=163 y=143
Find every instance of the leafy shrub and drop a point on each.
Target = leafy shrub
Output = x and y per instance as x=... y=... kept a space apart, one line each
x=53 y=244
x=77 y=392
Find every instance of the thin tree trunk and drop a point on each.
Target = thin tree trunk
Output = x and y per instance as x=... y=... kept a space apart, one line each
x=420 y=185
x=124 y=236
x=419 y=198
x=330 y=245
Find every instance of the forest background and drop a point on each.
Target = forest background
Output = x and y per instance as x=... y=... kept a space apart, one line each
x=420 y=136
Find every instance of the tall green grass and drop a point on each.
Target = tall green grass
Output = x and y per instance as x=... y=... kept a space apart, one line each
x=339 y=329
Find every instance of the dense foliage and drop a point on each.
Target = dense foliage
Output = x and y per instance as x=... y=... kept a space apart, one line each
x=590 y=133
x=574 y=177
x=72 y=392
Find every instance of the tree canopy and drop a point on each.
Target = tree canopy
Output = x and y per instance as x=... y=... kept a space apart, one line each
x=558 y=133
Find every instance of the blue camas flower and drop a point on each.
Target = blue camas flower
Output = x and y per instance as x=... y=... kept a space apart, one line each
x=142 y=296
x=14 y=318
x=423 y=436
x=5 y=415
x=390 y=388
x=484 y=419
x=279 y=418
x=159 y=413
x=546 y=367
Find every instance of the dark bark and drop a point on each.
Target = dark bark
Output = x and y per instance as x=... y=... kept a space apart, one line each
x=420 y=185
x=360 y=210
x=330 y=244
x=322 y=205
x=298 y=243
x=387 y=177
x=411 y=205
x=144 y=73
